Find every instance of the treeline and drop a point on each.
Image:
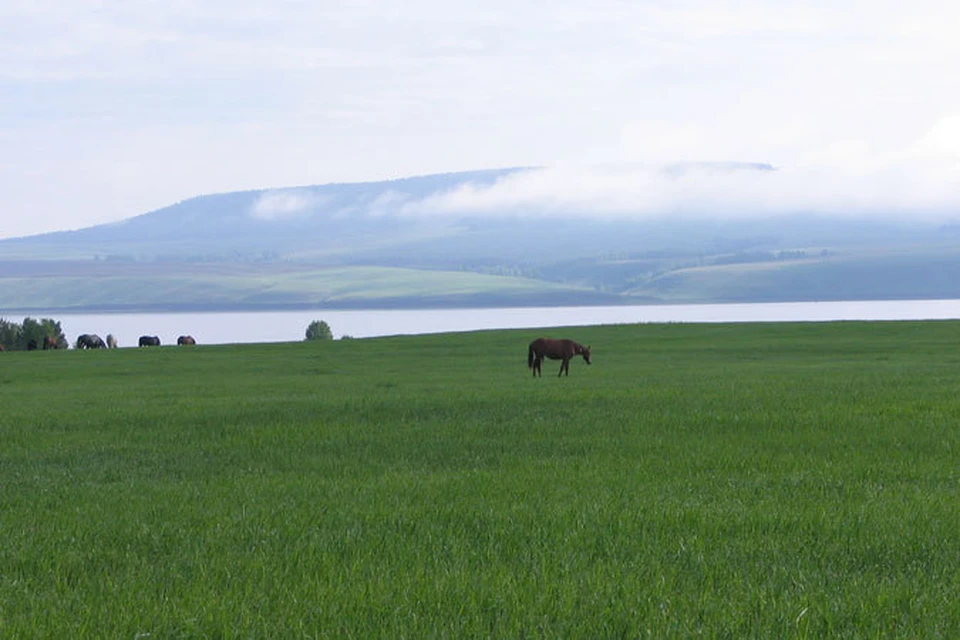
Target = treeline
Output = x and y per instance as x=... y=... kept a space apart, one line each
x=30 y=334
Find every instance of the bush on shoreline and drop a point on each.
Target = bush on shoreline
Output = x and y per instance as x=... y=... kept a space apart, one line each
x=30 y=334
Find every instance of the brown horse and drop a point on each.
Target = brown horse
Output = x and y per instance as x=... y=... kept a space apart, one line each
x=555 y=350
x=50 y=342
x=182 y=340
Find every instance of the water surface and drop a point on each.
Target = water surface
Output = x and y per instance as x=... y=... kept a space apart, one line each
x=285 y=326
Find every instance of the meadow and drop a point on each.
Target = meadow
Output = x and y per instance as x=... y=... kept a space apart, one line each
x=78 y=285
x=731 y=481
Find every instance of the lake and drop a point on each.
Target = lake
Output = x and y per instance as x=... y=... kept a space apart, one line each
x=286 y=326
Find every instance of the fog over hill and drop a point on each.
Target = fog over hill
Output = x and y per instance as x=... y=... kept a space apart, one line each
x=682 y=232
x=517 y=214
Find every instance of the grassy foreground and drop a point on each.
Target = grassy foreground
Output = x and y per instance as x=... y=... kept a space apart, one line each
x=774 y=481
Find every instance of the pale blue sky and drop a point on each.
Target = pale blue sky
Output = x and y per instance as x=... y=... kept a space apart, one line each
x=109 y=109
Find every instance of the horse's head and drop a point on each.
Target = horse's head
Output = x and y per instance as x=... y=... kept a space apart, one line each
x=586 y=354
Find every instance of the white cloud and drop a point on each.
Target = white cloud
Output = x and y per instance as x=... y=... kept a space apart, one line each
x=283 y=204
x=126 y=107
x=943 y=140
x=846 y=178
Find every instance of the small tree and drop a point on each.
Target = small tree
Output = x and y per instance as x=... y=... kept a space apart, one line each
x=40 y=330
x=33 y=334
x=10 y=334
x=17 y=336
x=319 y=330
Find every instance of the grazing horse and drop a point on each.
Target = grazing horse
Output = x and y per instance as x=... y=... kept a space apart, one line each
x=50 y=342
x=90 y=341
x=186 y=340
x=111 y=341
x=555 y=350
x=149 y=341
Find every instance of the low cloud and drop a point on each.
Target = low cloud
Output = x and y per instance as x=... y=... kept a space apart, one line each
x=846 y=178
x=284 y=204
x=386 y=203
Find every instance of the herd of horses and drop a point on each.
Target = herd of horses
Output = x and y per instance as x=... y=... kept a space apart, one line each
x=93 y=341
x=550 y=348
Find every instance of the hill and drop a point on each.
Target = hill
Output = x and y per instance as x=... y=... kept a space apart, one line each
x=379 y=244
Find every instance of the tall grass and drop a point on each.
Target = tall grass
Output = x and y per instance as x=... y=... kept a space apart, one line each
x=795 y=480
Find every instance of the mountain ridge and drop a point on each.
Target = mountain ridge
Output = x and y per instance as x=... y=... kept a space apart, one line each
x=262 y=234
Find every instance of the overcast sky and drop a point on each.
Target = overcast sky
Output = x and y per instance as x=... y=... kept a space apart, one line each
x=109 y=109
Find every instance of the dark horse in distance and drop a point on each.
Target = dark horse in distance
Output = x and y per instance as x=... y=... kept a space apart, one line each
x=555 y=350
x=90 y=341
x=184 y=340
x=149 y=341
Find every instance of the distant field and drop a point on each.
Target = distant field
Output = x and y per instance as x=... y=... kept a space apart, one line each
x=146 y=286
x=849 y=273
x=852 y=274
x=741 y=481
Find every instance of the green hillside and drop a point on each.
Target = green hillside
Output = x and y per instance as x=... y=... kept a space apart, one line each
x=363 y=244
x=924 y=272
x=242 y=286
x=893 y=273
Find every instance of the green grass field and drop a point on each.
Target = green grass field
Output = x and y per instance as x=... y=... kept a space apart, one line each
x=735 y=481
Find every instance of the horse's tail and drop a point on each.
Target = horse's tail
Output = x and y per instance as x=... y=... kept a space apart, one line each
x=530 y=357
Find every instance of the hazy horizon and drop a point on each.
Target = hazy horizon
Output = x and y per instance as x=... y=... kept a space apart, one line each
x=112 y=111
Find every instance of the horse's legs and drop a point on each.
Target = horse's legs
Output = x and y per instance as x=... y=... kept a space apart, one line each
x=564 y=366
